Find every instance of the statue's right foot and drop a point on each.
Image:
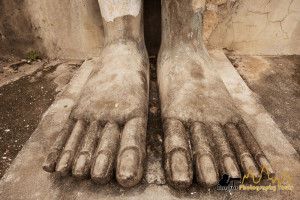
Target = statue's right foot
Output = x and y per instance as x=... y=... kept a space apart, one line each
x=107 y=127
x=92 y=142
x=204 y=132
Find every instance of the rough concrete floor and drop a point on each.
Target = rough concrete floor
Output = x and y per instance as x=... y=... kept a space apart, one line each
x=23 y=102
x=276 y=81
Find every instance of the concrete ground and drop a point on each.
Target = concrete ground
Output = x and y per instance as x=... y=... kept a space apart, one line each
x=26 y=180
x=276 y=81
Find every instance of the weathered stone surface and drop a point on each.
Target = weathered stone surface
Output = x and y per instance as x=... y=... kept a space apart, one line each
x=192 y=92
x=57 y=28
x=294 y=6
x=210 y=21
x=260 y=27
x=277 y=83
x=251 y=68
x=26 y=180
x=68 y=29
x=277 y=10
x=17 y=36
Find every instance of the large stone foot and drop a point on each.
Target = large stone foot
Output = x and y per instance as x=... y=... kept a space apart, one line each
x=197 y=108
x=93 y=142
x=107 y=128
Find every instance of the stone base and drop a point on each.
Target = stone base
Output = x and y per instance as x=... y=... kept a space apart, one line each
x=25 y=179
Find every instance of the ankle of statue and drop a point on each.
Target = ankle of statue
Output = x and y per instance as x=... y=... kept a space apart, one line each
x=184 y=41
x=124 y=40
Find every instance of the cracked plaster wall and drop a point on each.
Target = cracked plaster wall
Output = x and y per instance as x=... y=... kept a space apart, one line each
x=73 y=28
x=266 y=27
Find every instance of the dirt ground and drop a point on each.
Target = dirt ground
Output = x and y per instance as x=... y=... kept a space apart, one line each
x=276 y=81
x=23 y=102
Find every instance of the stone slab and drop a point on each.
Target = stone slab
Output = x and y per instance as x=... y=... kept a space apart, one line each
x=25 y=179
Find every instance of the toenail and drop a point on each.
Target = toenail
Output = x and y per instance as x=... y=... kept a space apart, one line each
x=231 y=167
x=80 y=165
x=49 y=164
x=248 y=164
x=63 y=165
x=207 y=169
x=265 y=163
x=100 y=173
x=180 y=169
x=129 y=165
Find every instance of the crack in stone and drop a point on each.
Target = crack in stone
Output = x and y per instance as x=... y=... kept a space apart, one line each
x=267 y=5
x=287 y=35
x=280 y=22
x=290 y=7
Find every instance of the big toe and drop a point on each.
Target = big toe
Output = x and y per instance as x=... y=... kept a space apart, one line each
x=132 y=153
x=178 y=164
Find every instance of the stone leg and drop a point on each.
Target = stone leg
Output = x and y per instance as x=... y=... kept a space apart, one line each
x=107 y=127
x=204 y=133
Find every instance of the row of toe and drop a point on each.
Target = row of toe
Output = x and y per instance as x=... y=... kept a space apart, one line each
x=210 y=150
x=88 y=150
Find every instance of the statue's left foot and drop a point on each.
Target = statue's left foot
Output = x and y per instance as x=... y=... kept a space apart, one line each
x=197 y=108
